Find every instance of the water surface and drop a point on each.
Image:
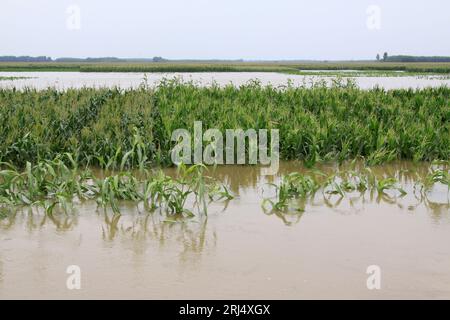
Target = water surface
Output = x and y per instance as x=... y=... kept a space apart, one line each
x=238 y=251
x=63 y=80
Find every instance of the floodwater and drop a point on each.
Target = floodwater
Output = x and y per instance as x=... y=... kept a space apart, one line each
x=238 y=251
x=63 y=80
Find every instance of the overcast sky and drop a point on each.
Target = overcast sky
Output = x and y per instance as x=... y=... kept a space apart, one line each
x=225 y=29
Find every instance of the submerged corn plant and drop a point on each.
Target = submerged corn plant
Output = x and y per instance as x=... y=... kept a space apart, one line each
x=294 y=185
x=53 y=184
x=46 y=184
x=294 y=189
x=438 y=173
x=163 y=193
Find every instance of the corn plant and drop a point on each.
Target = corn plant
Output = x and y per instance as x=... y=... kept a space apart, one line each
x=301 y=186
x=115 y=128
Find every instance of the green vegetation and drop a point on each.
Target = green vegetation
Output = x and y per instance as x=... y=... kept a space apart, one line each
x=121 y=130
x=38 y=66
x=187 y=67
x=295 y=188
x=419 y=67
x=99 y=126
x=290 y=67
x=145 y=67
x=52 y=184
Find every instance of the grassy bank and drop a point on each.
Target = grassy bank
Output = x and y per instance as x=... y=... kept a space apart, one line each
x=99 y=126
x=408 y=67
x=290 y=67
x=145 y=67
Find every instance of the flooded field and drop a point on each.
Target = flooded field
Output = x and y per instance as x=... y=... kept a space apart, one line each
x=63 y=80
x=239 y=250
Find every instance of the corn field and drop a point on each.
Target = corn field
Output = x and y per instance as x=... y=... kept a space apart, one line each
x=291 y=67
x=98 y=126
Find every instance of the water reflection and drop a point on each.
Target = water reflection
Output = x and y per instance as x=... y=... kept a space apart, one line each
x=410 y=175
x=133 y=231
x=357 y=204
x=250 y=178
x=141 y=231
x=288 y=218
x=64 y=80
x=33 y=219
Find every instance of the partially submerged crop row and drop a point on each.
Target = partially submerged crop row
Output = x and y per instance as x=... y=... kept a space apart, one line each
x=295 y=188
x=51 y=184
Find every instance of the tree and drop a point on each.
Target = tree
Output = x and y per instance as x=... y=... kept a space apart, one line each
x=385 y=56
x=158 y=59
x=378 y=57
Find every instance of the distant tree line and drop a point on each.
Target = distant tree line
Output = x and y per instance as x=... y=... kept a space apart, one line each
x=70 y=59
x=101 y=59
x=418 y=59
x=25 y=59
x=404 y=58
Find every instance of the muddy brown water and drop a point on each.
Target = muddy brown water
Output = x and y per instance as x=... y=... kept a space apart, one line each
x=238 y=251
